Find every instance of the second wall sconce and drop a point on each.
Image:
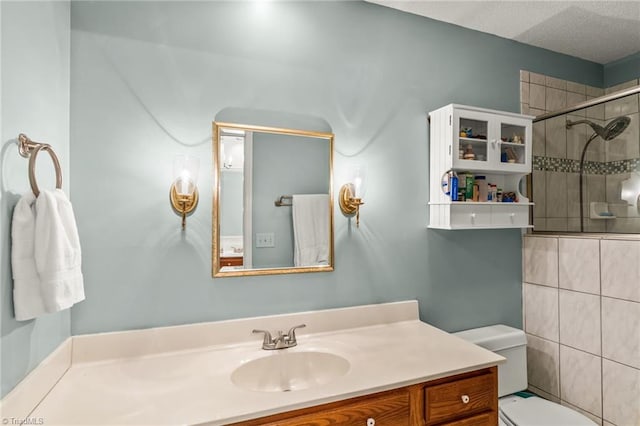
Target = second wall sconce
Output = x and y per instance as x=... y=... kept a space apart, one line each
x=352 y=193
x=184 y=191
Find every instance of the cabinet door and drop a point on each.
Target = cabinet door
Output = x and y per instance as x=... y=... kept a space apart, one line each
x=513 y=144
x=391 y=409
x=471 y=133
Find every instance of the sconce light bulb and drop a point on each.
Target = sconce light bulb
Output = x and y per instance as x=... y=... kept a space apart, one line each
x=357 y=184
x=185 y=180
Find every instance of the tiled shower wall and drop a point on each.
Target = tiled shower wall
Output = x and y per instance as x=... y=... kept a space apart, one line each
x=556 y=154
x=582 y=318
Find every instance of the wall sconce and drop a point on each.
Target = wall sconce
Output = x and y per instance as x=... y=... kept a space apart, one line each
x=184 y=191
x=232 y=151
x=352 y=193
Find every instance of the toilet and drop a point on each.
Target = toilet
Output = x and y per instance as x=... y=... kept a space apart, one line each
x=514 y=409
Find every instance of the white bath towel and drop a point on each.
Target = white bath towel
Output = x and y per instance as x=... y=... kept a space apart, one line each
x=310 y=229
x=45 y=255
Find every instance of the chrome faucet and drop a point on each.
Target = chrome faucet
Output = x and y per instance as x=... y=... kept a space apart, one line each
x=281 y=341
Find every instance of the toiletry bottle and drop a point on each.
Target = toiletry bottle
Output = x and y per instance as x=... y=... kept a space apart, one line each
x=469 y=187
x=453 y=186
x=483 y=189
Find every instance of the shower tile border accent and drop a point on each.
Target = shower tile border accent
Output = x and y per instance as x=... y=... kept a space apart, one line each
x=567 y=165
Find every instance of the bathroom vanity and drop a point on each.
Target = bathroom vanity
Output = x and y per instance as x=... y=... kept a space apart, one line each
x=464 y=399
x=375 y=364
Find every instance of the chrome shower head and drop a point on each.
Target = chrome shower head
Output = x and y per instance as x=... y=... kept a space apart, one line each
x=612 y=130
x=615 y=127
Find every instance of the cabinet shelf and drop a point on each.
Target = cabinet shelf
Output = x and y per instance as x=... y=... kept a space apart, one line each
x=473 y=140
x=481 y=203
x=472 y=227
x=483 y=170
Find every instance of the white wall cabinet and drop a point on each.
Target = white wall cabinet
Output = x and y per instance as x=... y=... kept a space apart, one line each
x=485 y=142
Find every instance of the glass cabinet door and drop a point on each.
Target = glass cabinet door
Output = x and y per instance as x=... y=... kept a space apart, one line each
x=471 y=143
x=514 y=144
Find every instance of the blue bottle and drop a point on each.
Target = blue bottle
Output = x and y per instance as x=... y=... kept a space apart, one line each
x=454 y=188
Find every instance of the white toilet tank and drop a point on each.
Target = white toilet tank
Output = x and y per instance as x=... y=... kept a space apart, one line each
x=509 y=342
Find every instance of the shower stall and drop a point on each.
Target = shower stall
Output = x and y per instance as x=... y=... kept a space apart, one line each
x=586 y=166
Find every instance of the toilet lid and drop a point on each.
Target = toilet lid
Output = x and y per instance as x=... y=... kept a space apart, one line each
x=536 y=411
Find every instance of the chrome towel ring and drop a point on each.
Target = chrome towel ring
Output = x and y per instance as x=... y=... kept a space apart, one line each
x=29 y=148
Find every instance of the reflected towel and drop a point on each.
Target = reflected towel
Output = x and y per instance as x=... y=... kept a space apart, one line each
x=45 y=255
x=310 y=229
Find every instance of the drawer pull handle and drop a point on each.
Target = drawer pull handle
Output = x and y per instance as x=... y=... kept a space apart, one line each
x=371 y=421
x=465 y=399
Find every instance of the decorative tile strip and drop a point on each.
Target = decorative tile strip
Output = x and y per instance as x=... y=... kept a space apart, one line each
x=566 y=165
x=621 y=166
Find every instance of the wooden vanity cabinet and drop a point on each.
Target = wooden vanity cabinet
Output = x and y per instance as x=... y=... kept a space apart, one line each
x=469 y=399
x=231 y=261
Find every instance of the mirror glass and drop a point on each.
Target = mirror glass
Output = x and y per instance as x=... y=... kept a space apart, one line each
x=273 y=204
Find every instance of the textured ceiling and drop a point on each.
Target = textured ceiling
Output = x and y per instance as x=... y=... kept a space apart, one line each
x=599 y=31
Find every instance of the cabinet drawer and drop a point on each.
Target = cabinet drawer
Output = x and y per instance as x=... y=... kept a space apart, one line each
x=231 y=261
x=485 y=419
x=510 y=214
x=387 y=410
x=468 y=215
x=466 y=396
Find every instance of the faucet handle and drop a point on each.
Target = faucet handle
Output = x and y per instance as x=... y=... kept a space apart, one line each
x=268 y=340
x=291 y=335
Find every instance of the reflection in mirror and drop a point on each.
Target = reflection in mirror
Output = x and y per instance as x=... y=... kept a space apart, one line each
x=272 y=210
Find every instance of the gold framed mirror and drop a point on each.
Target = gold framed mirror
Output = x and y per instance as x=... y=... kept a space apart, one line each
x=272 y=200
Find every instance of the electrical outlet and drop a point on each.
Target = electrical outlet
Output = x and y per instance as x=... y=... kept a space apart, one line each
x=266 y=239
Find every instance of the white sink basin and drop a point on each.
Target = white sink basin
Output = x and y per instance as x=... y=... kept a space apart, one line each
x=283 y=371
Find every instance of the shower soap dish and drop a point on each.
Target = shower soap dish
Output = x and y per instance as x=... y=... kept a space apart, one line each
x=598 y=210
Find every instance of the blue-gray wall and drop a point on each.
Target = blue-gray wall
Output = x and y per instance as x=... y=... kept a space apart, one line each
x=622 y=70
x=231 y=202
x=283 y=165
x=34 y=66
x=149 y=77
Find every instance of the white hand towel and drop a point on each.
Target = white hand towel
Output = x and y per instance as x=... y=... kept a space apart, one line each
x=310 y=229
x=27 y=300
x=46 y=255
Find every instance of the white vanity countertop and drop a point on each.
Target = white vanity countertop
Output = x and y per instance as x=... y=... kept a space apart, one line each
x=194 y=386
